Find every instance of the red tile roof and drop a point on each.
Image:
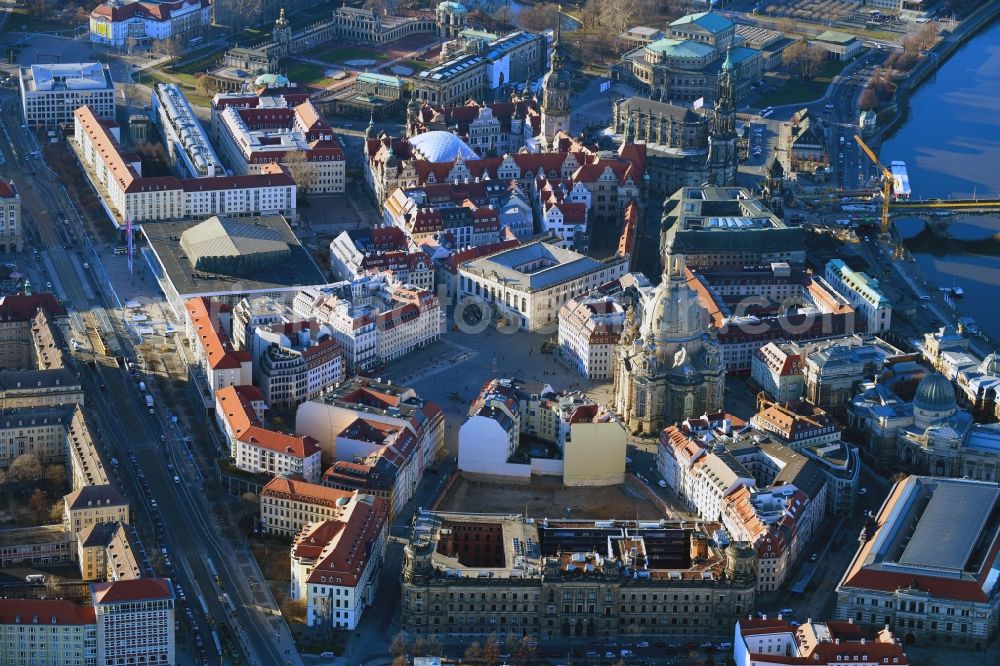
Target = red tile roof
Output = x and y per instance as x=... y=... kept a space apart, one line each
x=297 y=445
x=6 y=189
x=343 y=559
x=20 y=307
x=138 y=589
x=45 y=611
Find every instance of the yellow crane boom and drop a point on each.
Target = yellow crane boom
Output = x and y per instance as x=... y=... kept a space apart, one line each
x=887 y=182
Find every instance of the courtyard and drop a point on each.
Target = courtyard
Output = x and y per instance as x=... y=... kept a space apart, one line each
x=547 y=497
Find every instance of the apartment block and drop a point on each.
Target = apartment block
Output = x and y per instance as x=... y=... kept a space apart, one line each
x=336 y=564
x=221 y=365
x=287 y=505
x=135 y=621
x=92 y=505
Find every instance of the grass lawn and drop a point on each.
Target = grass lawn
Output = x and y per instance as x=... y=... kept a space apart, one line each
x=801 y=90
x=200 y=60
x=307 y=74
x=417 y=65
x=332 y=54
x=185 y=81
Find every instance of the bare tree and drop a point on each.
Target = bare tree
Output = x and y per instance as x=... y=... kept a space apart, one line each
x=491 y=651
x=473 y=653
x=869 y=100
x=299 y=168
x=590 y=14
x=540 y=17
x=39 y=504
x=793 y=54
x=56 y=512
x=398 y=645
x=619 y=16
x=26 y=467
x=401 y=660
x=816 y=59
x=55 y=474
x=205 y=85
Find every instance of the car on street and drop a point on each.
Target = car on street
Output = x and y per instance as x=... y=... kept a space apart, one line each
x=862 y=491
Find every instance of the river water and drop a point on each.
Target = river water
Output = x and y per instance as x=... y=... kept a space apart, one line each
x=951 y=146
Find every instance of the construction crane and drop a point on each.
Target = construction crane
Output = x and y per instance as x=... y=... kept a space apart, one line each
x=887 y=182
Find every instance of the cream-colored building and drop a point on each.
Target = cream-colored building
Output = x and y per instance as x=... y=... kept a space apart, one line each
x=218 y=362
x=85 y=465
x=91 y=505
x=270 y=129
x=10 y=218
x=109 y=551
x=527 y=285
x=50 y=93
x=589 y=328
x=47 y=631
x=126 y=193
x=286 y=505
x=469 y=574
x=263 y=451
x=594 y=453
x=135 y=621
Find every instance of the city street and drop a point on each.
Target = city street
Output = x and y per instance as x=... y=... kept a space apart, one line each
x=190 y=536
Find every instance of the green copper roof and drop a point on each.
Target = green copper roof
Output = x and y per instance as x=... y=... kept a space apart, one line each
x=680 y=48
x=714 y=23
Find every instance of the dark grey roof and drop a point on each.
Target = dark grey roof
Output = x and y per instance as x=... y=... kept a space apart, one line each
x=799 y=471
x=949 y=527
x=94 y=496
x=297 y=271
x=655 y=108
x=29 y=379
x=935 y=394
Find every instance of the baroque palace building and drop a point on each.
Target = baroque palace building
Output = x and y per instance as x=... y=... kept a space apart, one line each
x=475 y=575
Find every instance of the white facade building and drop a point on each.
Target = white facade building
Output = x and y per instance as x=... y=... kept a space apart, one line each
x=263 y=451
x=219 y=364
x=373 y=319
x=863 y=292
x=127 y=194
x=115 y=22
x=50 y=94
x=135 y=621
x=336 y=564
x=275 y=129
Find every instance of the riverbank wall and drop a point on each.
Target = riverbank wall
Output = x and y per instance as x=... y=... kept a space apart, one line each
x=927 y=67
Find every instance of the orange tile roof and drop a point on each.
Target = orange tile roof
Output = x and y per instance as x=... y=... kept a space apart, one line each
x=235 y=401
x=106 y=146
x=311 y=493
x=297 y=445
x=218 y=349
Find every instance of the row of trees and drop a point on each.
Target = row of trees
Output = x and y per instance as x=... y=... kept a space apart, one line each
x=913 y=46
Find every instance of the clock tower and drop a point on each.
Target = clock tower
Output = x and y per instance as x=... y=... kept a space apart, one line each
x=556 y=90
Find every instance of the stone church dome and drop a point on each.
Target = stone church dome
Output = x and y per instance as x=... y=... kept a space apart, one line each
x=935 y=394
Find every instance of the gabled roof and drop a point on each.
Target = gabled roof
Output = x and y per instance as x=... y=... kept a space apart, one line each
x=299 y=446
x=95 y=496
